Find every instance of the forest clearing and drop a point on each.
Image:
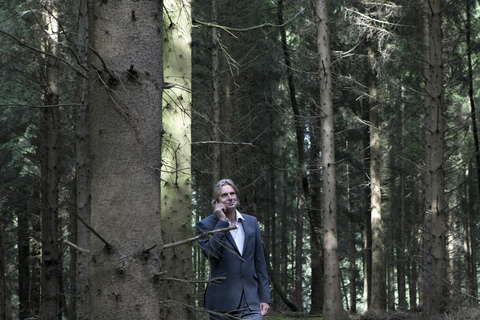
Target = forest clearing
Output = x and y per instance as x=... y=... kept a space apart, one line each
x=349 y=126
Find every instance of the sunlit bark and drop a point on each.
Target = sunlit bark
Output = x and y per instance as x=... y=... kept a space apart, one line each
x=176 y=154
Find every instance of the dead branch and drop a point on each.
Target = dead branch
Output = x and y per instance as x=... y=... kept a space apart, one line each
x=204 y=234
x=89 y=227
x=29 y=47
x=229 y=29
x=225 y=142
x=75 y=246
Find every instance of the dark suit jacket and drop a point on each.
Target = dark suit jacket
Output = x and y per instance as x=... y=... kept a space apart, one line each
x=247 y=273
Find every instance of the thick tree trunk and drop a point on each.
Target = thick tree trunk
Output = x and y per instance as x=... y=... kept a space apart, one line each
x=435 y=264
x=176 y=153
x=332 y=307
x=82 y=174
x=125 y=129
x=378 y=291
x=50 y=117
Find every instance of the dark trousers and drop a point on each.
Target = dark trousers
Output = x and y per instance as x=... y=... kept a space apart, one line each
x=242 y=312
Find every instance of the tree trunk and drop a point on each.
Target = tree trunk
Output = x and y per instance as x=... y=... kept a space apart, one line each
x=284 y=231
x=50 y=117
x=24 y=264
x=5 y=294
x=216 y=94
x=82 y=175
x=125 y=129
x=316 y=253
x=176 y=153
x=352 y=256
x=473 y=281
x=302 y=191
x=435 y=265
x=378 y=297
x=367 y=249
x=36 y=262
x=401 y=247
x=332 y=307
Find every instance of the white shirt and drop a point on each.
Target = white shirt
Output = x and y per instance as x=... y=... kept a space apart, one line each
x=239 y=233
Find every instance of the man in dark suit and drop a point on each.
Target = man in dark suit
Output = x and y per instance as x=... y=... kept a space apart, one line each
x=238 y=287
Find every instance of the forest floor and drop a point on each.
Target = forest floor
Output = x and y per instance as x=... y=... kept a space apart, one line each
x=467 y=313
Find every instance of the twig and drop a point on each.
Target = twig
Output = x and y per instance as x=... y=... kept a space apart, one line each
x=266 y=24
x=103 y=63
x=75 y=246
x=194 y=281
x=89 y=227
x=25 y=45
x=225 y=142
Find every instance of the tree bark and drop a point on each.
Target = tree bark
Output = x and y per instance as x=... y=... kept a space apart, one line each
x=125 y=129
x=352 y=256
x=5 y=294
x=24 y=269
x=378 y=291
x=367 y=249
x=302 y=183
x=332 y=307
x=81 y=307
x=176 y=159
x=401 y=248
x=473 y=281
x=435 y=265
x=216 y=94
x=50 y=117
x=316 y=253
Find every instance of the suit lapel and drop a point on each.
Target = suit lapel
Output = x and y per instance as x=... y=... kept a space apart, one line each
x=232 y=241
x=246 y=230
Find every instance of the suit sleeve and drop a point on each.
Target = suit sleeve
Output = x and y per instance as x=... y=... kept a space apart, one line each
x=212 y=245
x=261 y=268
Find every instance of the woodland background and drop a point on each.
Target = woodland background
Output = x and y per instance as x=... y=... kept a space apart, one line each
x=350 y=127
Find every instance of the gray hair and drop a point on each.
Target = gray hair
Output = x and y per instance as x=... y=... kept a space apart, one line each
x=217 y=190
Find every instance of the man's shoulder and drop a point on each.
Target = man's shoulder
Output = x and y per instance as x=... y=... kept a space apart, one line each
x=210 y=218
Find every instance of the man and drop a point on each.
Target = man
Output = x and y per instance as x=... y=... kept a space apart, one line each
x=238 y=287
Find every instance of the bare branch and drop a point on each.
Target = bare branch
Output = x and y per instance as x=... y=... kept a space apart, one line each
x=229 y=29
x=89 y=227
x=75 y=246
x=224 y=142
x=204 y=234
x=29 y=47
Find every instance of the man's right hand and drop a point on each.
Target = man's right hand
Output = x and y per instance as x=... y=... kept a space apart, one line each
x=220 y=210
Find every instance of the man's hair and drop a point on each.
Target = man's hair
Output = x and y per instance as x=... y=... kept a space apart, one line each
x=217 y=190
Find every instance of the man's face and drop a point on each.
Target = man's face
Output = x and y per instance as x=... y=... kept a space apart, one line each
x=228 y=197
